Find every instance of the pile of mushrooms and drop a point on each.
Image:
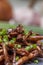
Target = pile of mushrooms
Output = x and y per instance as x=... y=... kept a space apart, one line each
x=16 y=47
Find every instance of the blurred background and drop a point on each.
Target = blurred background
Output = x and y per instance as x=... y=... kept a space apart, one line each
x=26 y=12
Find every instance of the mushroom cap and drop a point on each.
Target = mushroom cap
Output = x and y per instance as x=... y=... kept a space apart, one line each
x=5 y=10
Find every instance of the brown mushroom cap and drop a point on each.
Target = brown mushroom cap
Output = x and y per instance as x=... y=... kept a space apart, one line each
x=5 y=10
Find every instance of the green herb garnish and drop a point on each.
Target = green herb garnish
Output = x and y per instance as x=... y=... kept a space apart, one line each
x=36 y=61
x=28 y=48
x=17 y=58
x=17 y=46
x=0 y=40
x=14 y=39
x=3 y=32
x=33 y=34
x=11 y=41
x=5 y=38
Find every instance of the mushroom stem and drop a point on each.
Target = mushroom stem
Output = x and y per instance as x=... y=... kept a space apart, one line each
x=26 y=58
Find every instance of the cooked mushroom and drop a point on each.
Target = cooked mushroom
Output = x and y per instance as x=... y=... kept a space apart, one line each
x=17 y=48
x=22 y=51
x=35 y=38
x=26 y=58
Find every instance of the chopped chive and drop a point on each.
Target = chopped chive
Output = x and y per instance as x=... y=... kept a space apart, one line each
x=14 y=39
x=11 y=41
x=5 y=38
x=3 y=32
x=0 y=40
x=34 y=46
x=17 y=58
x=33 y=35
x=18 y=46
x=36 y=61
x=28 y=48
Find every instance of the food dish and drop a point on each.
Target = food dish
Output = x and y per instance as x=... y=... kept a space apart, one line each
x=17 y=47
